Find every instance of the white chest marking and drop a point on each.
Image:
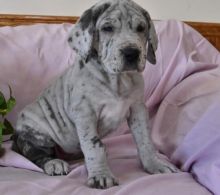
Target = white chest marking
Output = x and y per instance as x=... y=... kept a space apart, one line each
x=115 y=109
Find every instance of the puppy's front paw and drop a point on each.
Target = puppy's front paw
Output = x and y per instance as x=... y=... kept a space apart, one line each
x=157 y=165
x=56 y=167
x=102 y=181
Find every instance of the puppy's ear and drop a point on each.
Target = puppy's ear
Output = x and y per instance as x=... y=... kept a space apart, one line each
x=152 y=39
x=151 y=35
x=82 y=35
x=152 y=44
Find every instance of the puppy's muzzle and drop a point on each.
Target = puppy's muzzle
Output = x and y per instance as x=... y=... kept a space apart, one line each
x=131 y=57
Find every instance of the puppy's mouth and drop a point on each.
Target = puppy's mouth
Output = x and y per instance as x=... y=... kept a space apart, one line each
x=125 y=68
x=131 y=67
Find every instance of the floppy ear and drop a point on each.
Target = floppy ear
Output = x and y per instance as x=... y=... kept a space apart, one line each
x=151 y=38
x=152 y=43
x=82 y=35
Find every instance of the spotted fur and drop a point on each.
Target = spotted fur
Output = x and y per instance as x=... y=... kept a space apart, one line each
x=102 y=89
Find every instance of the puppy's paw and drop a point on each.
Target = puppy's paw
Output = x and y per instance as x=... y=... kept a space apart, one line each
x=56 y=167
x=157 y=165
x=102 y=181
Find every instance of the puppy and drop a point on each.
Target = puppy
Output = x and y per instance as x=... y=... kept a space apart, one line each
x=104 y=87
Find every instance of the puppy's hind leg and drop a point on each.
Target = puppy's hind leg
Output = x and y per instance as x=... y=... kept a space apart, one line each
x=39 y=149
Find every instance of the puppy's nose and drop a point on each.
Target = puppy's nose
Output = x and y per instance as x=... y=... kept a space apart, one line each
x=130 y=54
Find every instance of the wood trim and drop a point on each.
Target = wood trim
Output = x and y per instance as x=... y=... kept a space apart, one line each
x=209 y=30
x=16 y=20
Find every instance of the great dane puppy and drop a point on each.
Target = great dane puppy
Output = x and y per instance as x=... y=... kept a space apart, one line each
x=104 y=87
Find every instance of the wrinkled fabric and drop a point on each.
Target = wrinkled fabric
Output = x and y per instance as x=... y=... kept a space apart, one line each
x=182 y=94
x=30 y=58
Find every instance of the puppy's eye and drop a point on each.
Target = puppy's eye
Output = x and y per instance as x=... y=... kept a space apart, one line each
x=107 y=29
x=140 y=28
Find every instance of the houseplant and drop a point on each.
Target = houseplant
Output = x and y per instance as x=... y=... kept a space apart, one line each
x=5 y=107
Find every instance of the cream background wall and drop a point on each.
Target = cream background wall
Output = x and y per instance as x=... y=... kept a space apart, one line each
x=191 y=10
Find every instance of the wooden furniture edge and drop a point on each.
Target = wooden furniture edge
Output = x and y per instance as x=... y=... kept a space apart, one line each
x=16 y=20
x=210 y=31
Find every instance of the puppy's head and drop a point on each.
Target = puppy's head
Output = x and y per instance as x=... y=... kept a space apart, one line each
x=119 y=33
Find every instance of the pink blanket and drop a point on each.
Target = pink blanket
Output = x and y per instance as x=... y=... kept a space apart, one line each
x=182 y=93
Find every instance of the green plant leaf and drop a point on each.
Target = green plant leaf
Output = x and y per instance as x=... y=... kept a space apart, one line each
x=6 y=107
x=3 y=104
x=10 y=104
x=1 y=131
x=8 y=128
x=2 y=99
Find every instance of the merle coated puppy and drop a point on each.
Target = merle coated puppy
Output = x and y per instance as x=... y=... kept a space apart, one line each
x=104 y=87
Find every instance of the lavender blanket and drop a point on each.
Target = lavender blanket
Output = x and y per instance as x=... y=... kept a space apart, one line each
x=182 y=92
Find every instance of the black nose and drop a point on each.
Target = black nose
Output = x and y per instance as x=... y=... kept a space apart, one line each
x=130 y=54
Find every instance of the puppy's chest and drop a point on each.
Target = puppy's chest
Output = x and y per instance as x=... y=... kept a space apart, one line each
x=110 y=97
x=112 y=113
x=114 y=106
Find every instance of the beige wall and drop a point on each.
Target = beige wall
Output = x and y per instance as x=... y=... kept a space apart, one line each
x=191 y=10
